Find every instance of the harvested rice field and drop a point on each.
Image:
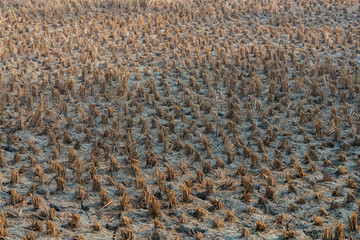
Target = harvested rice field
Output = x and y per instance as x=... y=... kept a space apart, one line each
x=179 y=119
